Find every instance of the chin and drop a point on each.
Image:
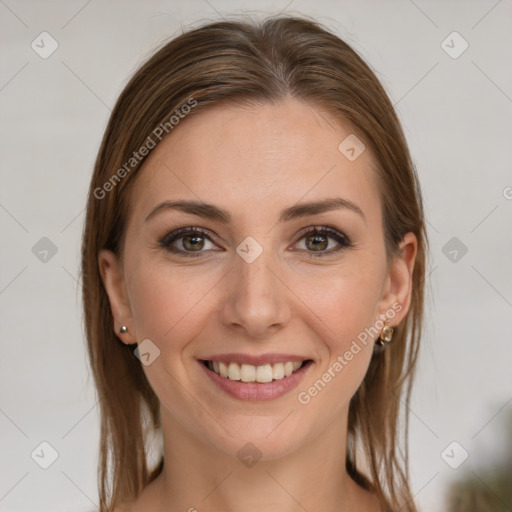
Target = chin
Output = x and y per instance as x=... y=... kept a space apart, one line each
x=259 y=438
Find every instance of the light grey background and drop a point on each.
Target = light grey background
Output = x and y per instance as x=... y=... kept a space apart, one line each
x=456 y=114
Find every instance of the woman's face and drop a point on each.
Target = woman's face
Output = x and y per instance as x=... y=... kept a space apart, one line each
x=254 y=281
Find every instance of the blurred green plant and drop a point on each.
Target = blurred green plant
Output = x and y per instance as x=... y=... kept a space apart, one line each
x=487 y=488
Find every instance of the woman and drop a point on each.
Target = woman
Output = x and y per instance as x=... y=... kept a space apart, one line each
x=253 y=262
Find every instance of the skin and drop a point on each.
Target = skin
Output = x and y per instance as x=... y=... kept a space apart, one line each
x=254 y=162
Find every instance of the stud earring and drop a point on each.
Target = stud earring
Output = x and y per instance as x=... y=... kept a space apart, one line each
x=385 y=335
x=123 y=329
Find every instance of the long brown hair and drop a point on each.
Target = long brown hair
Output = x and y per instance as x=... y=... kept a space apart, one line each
x=241 y=61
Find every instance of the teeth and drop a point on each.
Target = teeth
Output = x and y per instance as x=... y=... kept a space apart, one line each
x=264 y=373
x=234 y=371
x=223 y=369
x=278 y=371
x=250 y=373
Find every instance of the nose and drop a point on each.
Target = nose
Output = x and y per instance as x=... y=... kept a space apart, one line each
x=256 y=302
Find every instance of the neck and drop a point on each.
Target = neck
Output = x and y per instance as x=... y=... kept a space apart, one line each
x=199 y=477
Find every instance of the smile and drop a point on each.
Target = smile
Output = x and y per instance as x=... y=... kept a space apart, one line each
x=250 y=373
x=249 y=382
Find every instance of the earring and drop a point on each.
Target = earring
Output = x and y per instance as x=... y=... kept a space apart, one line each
x=385 y=335
x=123 y=329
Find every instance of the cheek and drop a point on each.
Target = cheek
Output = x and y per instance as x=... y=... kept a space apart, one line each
x=168 y=307
x=166 y=303
x=345 y=299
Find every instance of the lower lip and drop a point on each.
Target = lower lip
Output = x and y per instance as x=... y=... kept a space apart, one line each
x=255 y=391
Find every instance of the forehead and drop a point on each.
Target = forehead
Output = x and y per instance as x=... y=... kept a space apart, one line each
x=256 y=160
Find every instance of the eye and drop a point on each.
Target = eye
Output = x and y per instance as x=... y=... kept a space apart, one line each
x=191 y=241
x=318 y=237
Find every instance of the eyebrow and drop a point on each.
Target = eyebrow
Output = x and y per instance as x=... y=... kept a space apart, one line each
x=209 y=211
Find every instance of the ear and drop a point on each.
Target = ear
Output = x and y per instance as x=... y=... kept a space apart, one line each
x=396 y=294
x=113 y=280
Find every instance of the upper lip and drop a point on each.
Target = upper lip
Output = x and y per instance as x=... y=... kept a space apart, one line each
x=255 y=360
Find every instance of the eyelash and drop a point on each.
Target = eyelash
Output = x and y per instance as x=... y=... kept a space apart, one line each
x=171 y=237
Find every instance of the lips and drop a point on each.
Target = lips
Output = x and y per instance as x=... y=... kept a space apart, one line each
x=256 y=391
